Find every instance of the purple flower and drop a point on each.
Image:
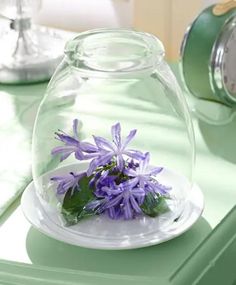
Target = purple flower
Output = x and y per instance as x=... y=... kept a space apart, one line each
x=143 y=175
x=105 y=181
x=155 y=186
x=123 y=200
x=67 y=181
x=73 y=145
x=117 y=149
x=132 y=164
x=100 y=179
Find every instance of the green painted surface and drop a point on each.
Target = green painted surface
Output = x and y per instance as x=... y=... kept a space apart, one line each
x=52 y=262
x=17 y=112
x=213 y=261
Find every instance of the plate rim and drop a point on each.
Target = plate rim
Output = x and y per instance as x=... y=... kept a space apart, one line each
x=29 y=193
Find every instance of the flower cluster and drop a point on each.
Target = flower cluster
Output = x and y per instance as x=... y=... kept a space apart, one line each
x=120 y=178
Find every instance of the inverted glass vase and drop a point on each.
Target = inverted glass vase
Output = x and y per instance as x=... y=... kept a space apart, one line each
x=109 y=83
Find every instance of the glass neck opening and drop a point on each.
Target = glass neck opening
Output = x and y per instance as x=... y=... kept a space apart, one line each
x=114 y=50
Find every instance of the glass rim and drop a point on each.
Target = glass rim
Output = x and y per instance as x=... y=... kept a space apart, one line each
x=132 y=50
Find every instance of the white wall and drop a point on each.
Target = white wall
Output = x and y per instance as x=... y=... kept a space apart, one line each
x=168 y=19
x=209 y=2
x=79 y=15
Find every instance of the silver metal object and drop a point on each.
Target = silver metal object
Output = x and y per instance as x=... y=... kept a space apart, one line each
x=28 y=53
x=184 y=41
x=218 y=67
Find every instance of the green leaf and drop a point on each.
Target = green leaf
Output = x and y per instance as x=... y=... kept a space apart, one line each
x=154 y=205
x=75 y=200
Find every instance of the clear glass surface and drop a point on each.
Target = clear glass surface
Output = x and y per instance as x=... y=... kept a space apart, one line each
x=110 y=76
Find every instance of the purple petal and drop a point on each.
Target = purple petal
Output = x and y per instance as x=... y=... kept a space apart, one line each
x=79 y=155
x=127 y=211
x=61 y=190
x=135 y=205
x=135 y=154
x=92 y=166
x=140 y=199
x=88 y=147
x=104 y=174
x=106 y=180
x=120 y=162
x=103 y=143
x=112 y=213
x=111 y=191
x=130 y=172
x=138 y=192
x=162 y=189
x=69 y=184
x=150 y=187
x=64 y=151
x=67 y=181
x=156 y=170
x=98 y=162
x=113 y=202
x=132 y=164
x=61 y=149
x=75 y=128
x=104 y=159
x=129 y=184
x=67 y=139
x=144 y=163
x=90 y=155
x=142 y=181
x=128 y=138
x=115 y=131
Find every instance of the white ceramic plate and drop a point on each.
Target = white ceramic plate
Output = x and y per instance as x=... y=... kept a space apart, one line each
x=100 y=232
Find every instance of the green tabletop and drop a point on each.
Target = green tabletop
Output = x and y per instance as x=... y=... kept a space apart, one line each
x=29 y=257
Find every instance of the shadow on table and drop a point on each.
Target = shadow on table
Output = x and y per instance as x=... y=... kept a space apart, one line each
x=220 y=139
x=159 y=260
x=23 y=100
